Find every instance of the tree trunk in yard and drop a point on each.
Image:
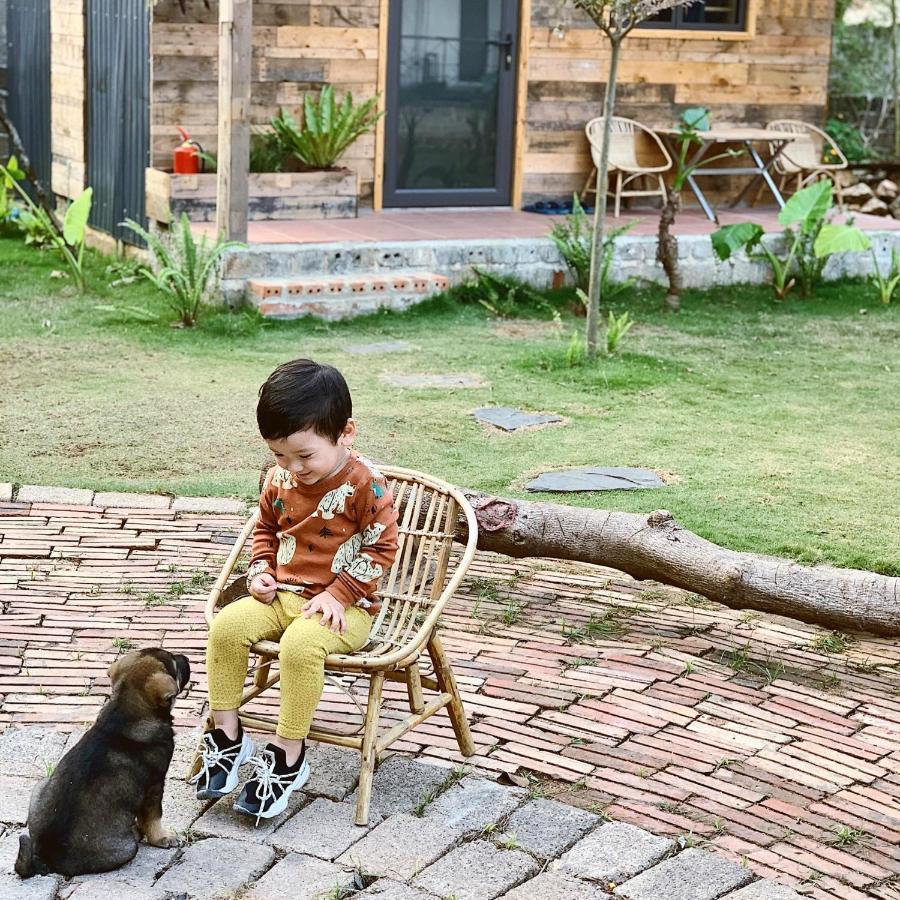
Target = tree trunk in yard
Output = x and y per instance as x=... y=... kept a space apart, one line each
x=657 y=547
x=667 y=248
x=600 y=200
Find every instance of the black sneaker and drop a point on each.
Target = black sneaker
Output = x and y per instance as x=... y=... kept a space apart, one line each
x=268 y=791
x=220 y=763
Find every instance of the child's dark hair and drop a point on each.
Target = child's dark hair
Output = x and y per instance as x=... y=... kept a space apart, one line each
x=303 y=394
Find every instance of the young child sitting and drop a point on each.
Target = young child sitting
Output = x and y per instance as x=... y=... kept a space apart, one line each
x=327 y=532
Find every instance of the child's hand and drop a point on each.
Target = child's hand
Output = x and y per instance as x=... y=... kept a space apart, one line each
x=262 y=587
x=332 y=612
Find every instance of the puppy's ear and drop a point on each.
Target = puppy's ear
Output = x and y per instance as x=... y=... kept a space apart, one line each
x=121 y=666
x=160 y=689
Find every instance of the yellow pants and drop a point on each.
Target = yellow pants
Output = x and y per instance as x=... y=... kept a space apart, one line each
x=304 y=645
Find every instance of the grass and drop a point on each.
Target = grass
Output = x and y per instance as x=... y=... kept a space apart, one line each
x=779 y=423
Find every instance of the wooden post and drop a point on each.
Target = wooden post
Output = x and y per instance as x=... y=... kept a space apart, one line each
x=235 y=56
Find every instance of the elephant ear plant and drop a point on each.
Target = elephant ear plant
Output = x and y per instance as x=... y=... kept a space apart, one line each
x=809 y=240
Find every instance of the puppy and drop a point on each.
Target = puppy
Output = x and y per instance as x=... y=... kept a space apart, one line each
x=106 y=792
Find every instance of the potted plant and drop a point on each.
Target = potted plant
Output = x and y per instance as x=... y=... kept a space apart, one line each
x=294 y=171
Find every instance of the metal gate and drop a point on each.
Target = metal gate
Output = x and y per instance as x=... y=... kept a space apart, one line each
x=118 y=111
x=28 y=75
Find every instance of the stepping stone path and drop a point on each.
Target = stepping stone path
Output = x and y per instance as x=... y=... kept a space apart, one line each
x=378 y=348
x=443 y=382
x=595 y=478
x=442 y=849
x=513 y=419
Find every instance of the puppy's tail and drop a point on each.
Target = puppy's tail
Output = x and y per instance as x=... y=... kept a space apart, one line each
x=25 y=867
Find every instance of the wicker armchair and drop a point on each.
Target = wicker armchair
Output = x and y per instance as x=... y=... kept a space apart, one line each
x=803 y=159
x=625 y=162
x=424 y=576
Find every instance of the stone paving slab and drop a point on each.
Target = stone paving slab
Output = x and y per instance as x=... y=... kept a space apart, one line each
x=546 y=828
x=555 y=886
x=298 y=877
x=509 y=419
x=142 y=871
x=222 y=820
x=401 y=847
x=691 y=875
x=432 y=382
x=388 y=889
x=132 y=501
x=6 y=491
x=215 y=867
x=401 y=784
x=665 y=722
x=15 y=794
x=37 y=493
x=324 y=829
x=41 y=887
x=613 y=853
x=378 y=347
x=477 y=871
x=474 y=803
x=334 y=771
x=764 y=890
x=596 y=478
x=119 y=889
x=226 y=505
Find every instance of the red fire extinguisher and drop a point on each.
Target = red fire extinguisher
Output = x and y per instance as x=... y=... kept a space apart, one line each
x=186 y=159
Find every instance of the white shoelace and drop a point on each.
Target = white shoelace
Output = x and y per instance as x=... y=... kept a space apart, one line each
x=264 y=774
x=214 y=756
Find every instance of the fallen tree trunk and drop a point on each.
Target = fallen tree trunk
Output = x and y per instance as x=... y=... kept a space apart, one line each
x=656 y=547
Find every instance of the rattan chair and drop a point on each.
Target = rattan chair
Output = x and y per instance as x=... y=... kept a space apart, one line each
x=625 y=163
x=803 y=159
x=424 y=576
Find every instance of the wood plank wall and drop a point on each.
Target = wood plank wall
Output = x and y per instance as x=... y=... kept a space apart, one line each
x=782 y=72
x=299 y=45
x=67 y=90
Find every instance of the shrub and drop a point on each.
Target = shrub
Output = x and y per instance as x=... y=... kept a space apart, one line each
x=327 y=129
x=187 y=272
x=850 y=139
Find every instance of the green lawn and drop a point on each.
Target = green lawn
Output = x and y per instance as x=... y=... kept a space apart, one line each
x=779 y=423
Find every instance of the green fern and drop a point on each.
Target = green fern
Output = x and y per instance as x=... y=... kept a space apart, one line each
x=327 y=130
x=187 y=272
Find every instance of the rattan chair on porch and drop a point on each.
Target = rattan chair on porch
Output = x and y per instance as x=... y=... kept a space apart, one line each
x=803 y=159
x=424 y=576
x=626 y=166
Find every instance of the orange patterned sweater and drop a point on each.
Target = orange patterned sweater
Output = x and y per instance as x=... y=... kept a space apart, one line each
x=339 y=535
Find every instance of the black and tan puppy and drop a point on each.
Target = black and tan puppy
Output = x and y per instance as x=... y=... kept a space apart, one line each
x=106 y=792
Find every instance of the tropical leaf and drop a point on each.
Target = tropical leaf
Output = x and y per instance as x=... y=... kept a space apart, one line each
x=696 y=118
x=76 y=218
x=731 y=238
x=840 y=239
x=808 y=206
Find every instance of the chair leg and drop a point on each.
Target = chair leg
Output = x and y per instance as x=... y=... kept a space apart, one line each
x=263 y=668
x=367 y=754
x=447 y=682
x=414 y=688
x=589 y=185
x=194 y=767
x=618 y=194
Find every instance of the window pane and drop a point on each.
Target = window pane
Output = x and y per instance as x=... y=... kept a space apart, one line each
x=664 y=18
x=713 y=12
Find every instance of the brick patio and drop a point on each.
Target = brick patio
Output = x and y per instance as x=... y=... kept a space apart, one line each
x=660 y=709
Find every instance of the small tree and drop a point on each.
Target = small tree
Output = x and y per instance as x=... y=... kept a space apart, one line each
x=616 y=19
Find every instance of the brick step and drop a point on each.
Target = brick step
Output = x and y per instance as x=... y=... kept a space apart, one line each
x=335 y=297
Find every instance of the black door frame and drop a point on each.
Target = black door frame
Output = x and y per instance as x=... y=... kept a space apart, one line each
x=501 y=193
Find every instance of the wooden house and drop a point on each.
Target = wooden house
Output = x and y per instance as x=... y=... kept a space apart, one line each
x=485 y=101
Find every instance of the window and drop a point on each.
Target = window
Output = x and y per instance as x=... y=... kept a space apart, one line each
x=710 y=15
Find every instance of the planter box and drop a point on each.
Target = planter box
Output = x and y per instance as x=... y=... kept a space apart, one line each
x=278 y=195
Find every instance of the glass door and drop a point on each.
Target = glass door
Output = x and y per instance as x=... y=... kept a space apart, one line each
x=450 y=102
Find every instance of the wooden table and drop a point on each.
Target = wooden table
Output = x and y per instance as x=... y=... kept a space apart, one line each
x=716 y=138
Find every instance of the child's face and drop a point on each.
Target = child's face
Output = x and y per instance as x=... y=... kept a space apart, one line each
x=310 y=456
